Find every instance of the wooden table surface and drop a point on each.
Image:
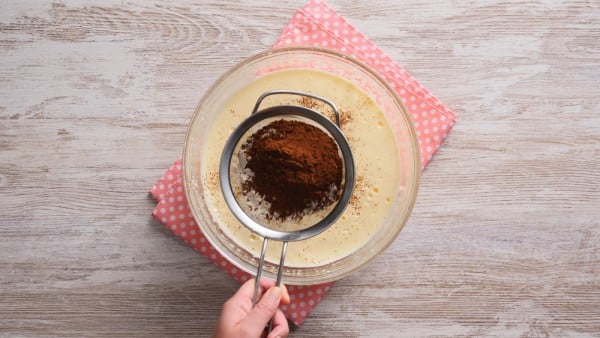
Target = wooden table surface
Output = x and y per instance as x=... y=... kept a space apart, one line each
x=95 y=98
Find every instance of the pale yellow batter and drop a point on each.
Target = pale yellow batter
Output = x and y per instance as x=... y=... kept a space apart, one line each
x=373 y=147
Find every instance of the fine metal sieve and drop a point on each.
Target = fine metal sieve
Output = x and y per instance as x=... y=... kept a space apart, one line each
x=233 y=143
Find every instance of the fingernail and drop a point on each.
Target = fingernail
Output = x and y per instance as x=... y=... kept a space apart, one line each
x=275 y=293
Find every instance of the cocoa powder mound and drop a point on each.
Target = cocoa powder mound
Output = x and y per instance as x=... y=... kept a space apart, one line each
x=296 y=168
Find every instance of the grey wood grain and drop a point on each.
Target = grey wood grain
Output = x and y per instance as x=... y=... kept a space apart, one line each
x=95 y=97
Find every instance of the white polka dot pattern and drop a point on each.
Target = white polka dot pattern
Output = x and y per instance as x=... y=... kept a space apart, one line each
x=318 y=25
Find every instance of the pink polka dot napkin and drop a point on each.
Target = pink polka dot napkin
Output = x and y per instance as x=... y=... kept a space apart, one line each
x=315 y=24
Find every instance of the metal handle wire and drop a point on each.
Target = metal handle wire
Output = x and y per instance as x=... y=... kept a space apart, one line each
x=259 y=272
x=292 y=92
x=261 y=263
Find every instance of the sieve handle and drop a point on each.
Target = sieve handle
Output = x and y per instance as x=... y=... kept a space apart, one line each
x=279 y=273
x=259 y=271
x=261 y=263
x=292 y=92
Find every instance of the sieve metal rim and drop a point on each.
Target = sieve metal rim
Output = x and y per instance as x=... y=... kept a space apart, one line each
x=227 y=189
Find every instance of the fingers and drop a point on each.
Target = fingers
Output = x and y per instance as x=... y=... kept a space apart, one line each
x=285 y=296
x=242 y=299
x=270 y=297
x=239 y=319
x=268 y=283
x=264 y=310
x=246 y=291
x=280 y=326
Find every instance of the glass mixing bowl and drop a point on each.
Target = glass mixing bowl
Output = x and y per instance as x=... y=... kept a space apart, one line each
x=250 y=70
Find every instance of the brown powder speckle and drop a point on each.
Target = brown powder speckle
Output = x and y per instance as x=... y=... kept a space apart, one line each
x=212 y=180
x=233 y=113
x=309 y=102
x=362 y=188
x=346 y=117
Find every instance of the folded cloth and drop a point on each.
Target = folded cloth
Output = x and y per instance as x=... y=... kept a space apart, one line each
x=315 y=24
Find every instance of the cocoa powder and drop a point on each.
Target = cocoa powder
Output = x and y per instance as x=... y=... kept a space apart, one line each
x=296 y=168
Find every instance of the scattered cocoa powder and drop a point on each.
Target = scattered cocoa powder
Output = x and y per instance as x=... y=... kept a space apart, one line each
x=345 y=117
x=359 y=190
x=212 y=180
x=296 y=168
x=309 y=102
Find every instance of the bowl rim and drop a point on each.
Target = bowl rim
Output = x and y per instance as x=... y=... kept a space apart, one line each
x=331 y=53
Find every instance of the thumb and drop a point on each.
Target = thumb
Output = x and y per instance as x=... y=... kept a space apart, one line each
x=264 y=310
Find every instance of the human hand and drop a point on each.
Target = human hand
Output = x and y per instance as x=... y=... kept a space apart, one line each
x=239 y=319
